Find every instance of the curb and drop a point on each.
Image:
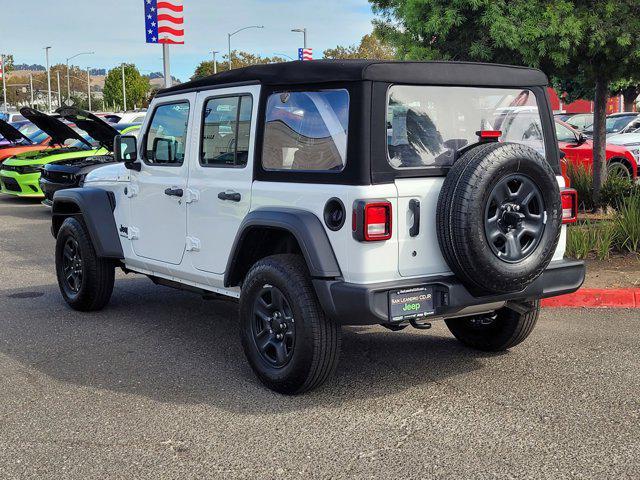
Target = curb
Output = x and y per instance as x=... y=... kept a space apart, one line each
x=597 y=298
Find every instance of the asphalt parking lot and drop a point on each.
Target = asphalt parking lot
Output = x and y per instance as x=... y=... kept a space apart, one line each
x=156 y=386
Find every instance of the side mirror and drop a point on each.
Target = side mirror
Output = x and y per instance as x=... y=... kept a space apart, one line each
x=162 y=150
x=581 y=139
x=125 y=148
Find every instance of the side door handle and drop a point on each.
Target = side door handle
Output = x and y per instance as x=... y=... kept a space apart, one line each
x=231 y=196
x=414 y=206
x=174 y=192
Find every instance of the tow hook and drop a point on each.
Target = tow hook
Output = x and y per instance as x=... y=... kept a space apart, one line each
x=420 y=326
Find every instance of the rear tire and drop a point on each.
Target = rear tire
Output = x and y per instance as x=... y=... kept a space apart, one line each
x=619 y=169
x=291 y=345
x=85 y=280
x=494 y=333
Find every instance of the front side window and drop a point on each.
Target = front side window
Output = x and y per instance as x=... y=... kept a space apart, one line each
x=166 y=138
x=428 y=125
x=565 y=134
x=226 y=131
x=306 y=131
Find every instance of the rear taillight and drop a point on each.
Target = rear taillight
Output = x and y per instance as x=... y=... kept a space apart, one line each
x=372 y=221
x=569 y=205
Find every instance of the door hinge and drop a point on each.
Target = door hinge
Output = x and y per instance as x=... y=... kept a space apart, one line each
x=131 y=191
x=193 y=244
x=191 y=196
x=133 y=233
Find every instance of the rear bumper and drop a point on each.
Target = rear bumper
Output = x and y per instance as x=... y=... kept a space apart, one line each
x=356 y=304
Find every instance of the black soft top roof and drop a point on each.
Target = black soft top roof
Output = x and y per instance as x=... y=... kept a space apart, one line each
x=418 y=73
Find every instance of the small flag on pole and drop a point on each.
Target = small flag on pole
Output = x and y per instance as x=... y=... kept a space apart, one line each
x=1 y=66
x=305 y=54
x=164 y=21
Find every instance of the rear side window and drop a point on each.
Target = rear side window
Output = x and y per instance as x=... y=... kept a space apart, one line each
x=427 y=126
x=167 y=135
x=306 y=131
x=226 y=130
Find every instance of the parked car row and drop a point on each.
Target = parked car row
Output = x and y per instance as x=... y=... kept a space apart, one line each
x=71 y=143
x=616 y=124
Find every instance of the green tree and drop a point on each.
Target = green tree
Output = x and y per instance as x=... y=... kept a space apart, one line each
x=137 y=87
x=370 y=47
x=239 y=59
x=8 y=63
x=584 y=45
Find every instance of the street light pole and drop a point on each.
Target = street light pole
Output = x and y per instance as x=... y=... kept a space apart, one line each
x=215 y=65
x=59 y=92
x=68 y=80
x=46 y=50
x=31 y=88
x=229 y=35
x=124 y=90
x=303 y=31
x=4 y=81
x=89 y=87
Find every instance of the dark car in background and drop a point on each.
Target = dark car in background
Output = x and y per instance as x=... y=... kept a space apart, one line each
x=71 y=173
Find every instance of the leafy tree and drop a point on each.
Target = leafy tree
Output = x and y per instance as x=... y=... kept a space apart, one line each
x=370 y=47
x=8 y=63
x=584 y=45
x=239 y=59
x=137 y=87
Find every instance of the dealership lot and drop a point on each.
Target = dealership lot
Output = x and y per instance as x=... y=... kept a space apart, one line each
x=156 y=386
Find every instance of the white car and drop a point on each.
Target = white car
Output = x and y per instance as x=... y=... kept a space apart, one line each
x=629 y=140
x=332 y=193
x=132 y=117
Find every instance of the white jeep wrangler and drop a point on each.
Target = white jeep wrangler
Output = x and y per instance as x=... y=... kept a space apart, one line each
x=334 y=193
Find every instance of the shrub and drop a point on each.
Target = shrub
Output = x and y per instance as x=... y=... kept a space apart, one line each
x=580 y=241
x=615 y=190
x=605 y=237
x=628 y=224
x=582 y=180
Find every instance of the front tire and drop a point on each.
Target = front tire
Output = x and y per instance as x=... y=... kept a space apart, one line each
x=496 y=332
x=291 y=345
x=85 y=280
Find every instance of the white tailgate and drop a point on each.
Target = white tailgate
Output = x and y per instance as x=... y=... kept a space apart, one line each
x=419 y=255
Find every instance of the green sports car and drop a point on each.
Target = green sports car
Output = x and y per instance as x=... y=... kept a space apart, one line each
x=88 y=136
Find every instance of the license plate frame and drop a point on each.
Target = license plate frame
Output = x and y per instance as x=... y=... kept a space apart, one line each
x=411 y=303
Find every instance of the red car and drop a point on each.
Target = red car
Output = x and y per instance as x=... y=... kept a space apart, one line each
x=579 y=151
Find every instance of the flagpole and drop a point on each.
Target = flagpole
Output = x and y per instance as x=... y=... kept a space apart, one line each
x=167 y=66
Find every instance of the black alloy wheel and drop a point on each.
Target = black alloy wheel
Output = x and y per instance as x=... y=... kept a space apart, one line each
x=72 y=266
x=273 y=327
x=514 y=218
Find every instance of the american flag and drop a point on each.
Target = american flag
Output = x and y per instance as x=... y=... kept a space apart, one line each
x=305 y=54
x=164 y=21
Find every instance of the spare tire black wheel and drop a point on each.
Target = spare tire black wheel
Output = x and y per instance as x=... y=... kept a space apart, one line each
x=499 y=217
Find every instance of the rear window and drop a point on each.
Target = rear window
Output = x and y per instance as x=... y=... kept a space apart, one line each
x=427 y=126
x=306 y=131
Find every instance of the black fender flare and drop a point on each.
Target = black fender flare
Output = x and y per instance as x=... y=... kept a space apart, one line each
x=305 y=227
x=96 y=207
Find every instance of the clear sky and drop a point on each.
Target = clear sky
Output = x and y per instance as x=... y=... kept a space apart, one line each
x=114 y=29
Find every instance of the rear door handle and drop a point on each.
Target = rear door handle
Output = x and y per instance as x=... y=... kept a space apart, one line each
x=414 y=206
x=231 y=196
x=174 y=192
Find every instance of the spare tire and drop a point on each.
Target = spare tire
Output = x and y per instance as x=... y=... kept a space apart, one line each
x=499 y=217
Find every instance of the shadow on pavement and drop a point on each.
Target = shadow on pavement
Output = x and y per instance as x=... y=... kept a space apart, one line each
x=175 y=347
